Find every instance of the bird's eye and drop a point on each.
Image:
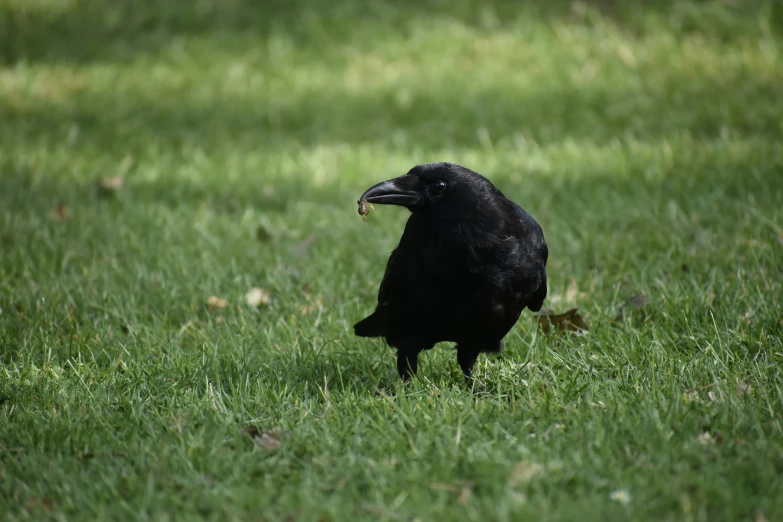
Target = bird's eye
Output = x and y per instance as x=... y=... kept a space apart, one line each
x=439 y=186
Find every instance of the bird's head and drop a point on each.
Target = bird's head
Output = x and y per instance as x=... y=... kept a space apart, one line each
x=441 y=190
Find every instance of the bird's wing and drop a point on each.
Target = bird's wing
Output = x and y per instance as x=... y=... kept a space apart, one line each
x=392 y=277
x=402 y=266
x=531 y=278
x=373 y=325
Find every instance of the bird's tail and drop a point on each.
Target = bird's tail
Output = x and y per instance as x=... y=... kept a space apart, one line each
x=370 y=326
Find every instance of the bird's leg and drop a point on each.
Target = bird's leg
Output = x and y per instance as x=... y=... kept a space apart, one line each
x=466 y=357
x=407 y=364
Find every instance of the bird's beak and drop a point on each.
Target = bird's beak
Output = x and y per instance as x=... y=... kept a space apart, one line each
x=398 y=191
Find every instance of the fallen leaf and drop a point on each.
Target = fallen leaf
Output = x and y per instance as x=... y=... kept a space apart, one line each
x=523 y=472
x=312 y=306
x=216 y=302
x=568 y=321
x=264 y=439
x=744 y=388
x=258 y=296
x=267 y=440
x=620 y=495
x=464 y=495
x=109 y=186
x=632 y=304
x=301 y=249
x=44 y=503
x=518 y=498
x=464 y=489
x=60 y=213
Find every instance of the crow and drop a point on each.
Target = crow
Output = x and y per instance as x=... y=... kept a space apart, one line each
x=468 y=263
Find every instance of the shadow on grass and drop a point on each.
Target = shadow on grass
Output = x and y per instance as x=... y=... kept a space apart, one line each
x=118 y=30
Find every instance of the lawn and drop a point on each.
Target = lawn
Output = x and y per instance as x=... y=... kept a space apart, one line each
x=138 y=383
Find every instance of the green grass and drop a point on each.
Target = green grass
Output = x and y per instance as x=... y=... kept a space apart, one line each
x=645 y=140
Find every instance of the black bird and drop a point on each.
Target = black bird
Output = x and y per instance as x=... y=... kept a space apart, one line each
x=468 y=263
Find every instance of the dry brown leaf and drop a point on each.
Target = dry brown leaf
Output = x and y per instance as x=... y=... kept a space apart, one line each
x=744 y=388
x=523 y=472
x=464 y=489
x=568 y=321
x=267 y=440
x=44 y=503
x=216 y=302
x=632 y=304
x=108 y=186
x=312 y=306
x=60 y=213
x=464 y=496
x=258 y=296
